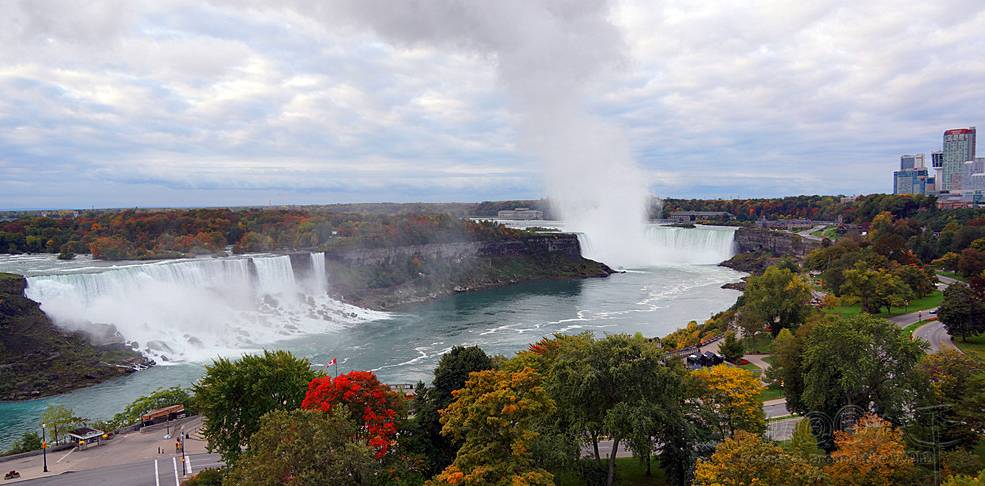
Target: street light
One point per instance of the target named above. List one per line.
(44, 447)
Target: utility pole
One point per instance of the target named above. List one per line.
(44, 447)
(181, 436)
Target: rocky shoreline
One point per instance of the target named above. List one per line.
(38, 358)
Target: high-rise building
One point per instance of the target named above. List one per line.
(959, 147)
(911, 161)
(910, 181)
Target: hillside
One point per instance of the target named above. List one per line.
(38, 358)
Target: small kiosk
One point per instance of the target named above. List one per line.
(85, 436)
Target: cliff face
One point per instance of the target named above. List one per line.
(779, 243)
(387, 277)
(758, 248)
(38, 358)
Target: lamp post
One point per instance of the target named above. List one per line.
(181, 436)
(44, 447)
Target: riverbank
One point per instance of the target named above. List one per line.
(40, 359)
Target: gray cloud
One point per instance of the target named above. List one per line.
(716, 98)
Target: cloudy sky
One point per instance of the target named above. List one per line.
(185, 103)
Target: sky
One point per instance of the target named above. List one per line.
(124, 103)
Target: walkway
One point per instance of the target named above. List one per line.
(139, 447)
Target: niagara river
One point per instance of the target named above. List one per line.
(184, 313)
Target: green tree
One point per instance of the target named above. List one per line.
(962, 312)
(603, 386)
(803, 444)
(494, 417)
(786, 370)
(921, 281)
(875, 288)
(962, 480)
(778, 298)
(29, 441)
(731, 347)
(233, 395)
(861, 361)
(160, 398)
(58, 418)
(305, 447)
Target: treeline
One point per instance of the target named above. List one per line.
(822, 208)
(142, 234)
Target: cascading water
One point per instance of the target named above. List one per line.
(669, 245)
(320, 274)
(195, 310)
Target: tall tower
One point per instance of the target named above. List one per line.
(959, 147)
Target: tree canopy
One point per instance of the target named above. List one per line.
(234, 395)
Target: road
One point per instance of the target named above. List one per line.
(143, 473)
(807, 233)
(936, 335)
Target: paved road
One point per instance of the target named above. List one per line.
(936, 335)
(134, 474)
(807, 233)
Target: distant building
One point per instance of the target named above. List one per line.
(910, 181)
(911, 161)
(520, 214)
(694, 216)
(959, 147)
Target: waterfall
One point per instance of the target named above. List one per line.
(193, 310)
(669, 245)
(319, 272)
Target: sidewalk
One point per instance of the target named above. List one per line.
(121, 449)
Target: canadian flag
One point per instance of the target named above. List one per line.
(330, 363)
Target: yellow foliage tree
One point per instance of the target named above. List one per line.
(493, 415)
(731, 395)
(872, 454)
(748, 460)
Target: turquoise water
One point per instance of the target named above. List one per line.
(406, 346)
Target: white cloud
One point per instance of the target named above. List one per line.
(717, 97)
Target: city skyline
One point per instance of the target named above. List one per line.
(122, 104)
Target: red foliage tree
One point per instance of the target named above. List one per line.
(362, 393)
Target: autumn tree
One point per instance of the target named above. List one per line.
(872, 453)
(962, 312)
(748, 459)
(731, 395)
(233, 395)
(451, 374)
(306, 447)
(778, 299)
(378, 407)
(494, 417)
(875, 288)
(921, 281)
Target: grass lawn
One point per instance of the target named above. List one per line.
(908, 330)
(924, 303)
(975, 346)
(830, 233)
(761, 343)
(771, 393)
(629, 470)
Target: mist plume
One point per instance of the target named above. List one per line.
(546, 55)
